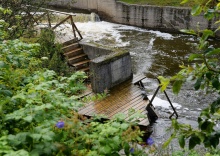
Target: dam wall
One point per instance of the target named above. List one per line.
(169, 19)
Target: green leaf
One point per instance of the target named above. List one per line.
(206, 33)
(215, 83)
(18, 153)
(192, 32)
(164, 82)
(3, 65)
(195, 57)
(207, 126)
(124, 126)
(6, 93)
(196, 10)
(214, 140)
(209, 15)
(177, 86)
(116, 124)
(208, 50)
(205, 112)
(166, 143)
(36, 152)
(127, 149)
(209, 75)
(184, 1)
(175, 124)
(193, 141)
(198, 83)
(182, 141)
(35, 137)
(28, 118)
(213, 52)
(105, 150)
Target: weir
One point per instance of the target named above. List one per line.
(170, 19)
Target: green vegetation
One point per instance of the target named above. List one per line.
(158, 2)
(204, 72)
(38, 107)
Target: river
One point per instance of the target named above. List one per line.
(153, 53)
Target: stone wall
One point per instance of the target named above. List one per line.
(109, 70)
(170, 19)
(108, 67)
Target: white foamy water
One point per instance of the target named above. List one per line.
(157, 102)
(97, 31)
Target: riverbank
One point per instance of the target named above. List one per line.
(159, 2)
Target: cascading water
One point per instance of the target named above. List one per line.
(93, 17)
(153, 53)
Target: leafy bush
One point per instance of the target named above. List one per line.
(204, 71)
(38, 109)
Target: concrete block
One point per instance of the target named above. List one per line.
(94, 51)
(109, 70)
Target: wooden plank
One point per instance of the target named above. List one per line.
(137, 106)
(138, 78)
(114, 108)
(127, 106)
(121, 98)
(110, 101)
(111, 97)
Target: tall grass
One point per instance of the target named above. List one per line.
(159, 2)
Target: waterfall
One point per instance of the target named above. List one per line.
(93, 17)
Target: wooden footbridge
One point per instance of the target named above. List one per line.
(121, 98)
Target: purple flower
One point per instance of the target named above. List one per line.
(150, 141)
(60, 124)
(132, 150)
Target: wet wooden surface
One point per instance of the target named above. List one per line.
(120, 99)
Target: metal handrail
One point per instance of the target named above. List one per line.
(174, 110)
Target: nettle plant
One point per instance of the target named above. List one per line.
(38, 110)
(204, 71)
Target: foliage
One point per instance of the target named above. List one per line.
(159, 2)
(204, 72)
(95, 138)
(38, 109)
(21, 16)
(51, 52)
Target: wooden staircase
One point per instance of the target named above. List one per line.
(75, 56)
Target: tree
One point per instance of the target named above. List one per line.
(22, 15)
(204, 72)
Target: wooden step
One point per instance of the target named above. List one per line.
(74, 52)
(80, 63)
(70, 47)
(70, 42)
(86, 69)
(77, 58)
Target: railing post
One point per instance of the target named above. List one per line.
(74, 26)
(75, 29)
(72, 23)
(48, 18)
